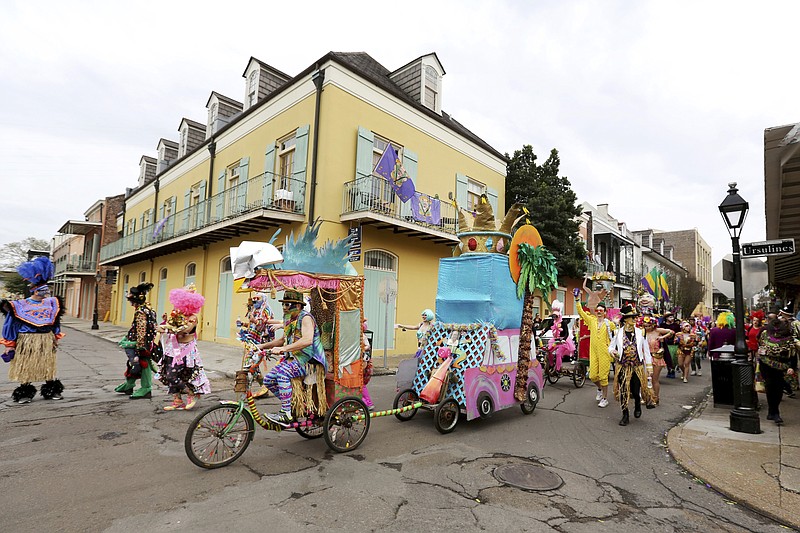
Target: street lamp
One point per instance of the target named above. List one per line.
(97, 278)
(744, 417)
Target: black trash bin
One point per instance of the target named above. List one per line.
(722, 375)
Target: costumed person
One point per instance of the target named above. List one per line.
(655, 337)
(723, 332)
(303, 347)
(139, 344)
(779, 352)
(422, 328)
(259, 327)
(182, 369)
(790, 379)
(701, 336)
(634, 365)
(671, 353)
(601, 331)
(31, 332)
(753, 333)
(686, 344)
(367, 351)
(560, 344)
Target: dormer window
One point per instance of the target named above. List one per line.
(213, 110)
(252, 88)
(431, 87)
(184, 139)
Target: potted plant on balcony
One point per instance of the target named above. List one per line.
(284, 199)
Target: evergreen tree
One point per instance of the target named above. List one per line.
(552, 206)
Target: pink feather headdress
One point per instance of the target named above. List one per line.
(186, 300)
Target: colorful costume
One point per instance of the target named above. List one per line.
(294, 365)
(30, 334)
(138, 345)
(182, 369)
(633, 366)
(601, 334)
(778, 354)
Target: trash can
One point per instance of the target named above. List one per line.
(722, 376)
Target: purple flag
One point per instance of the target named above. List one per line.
(426, 209)
(390, 167)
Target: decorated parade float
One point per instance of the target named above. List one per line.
(479, 357)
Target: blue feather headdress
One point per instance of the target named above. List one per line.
(301, 253)
(37, 272)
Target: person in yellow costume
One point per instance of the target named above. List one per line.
(601, 331)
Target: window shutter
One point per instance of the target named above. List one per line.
(172, 214)
(300, 153)
(492, 195)
(363, 185)
(202, 206)
(461, 190)
(241, 188)
(410, 160)
(219, 203)
(269, 176)
(187, 200)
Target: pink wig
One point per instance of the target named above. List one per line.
(186, 301)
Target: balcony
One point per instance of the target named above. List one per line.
(265, 201)
(76, 265)
(370, 200)
(628, 280)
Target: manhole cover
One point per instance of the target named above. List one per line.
(529, 477)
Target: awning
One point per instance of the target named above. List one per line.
(616, 236)
(79, 227)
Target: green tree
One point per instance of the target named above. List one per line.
(686, 293)
(14, 254)
(552, 205)
(15, 286)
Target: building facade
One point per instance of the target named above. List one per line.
(304, 148)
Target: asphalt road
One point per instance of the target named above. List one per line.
(97, 461)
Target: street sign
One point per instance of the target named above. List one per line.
(355, 244)
(775, 247)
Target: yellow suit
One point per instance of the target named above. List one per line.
(599, 340)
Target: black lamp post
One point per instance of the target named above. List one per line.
(97, 278)
(744, 417)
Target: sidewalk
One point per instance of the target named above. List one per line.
(761, 472)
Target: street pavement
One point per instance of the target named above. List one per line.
(760, 472)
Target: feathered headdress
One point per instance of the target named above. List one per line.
(726, 320)
(37, 272)
(186, 300)
(759, 314)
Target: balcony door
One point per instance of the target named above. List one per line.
(124, 306)
(224, 299)
(162, 294)
(381, 316)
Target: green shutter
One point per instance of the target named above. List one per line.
(492, 195)
(410, 163)
(300, 154)
(461, 190)
(202, 206)
(219, 198)
(363, 185)
(269, 175)
(241, 188)
(171, 221)
(187, 200)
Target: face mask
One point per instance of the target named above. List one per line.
(291, 314)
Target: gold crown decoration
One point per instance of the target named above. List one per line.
(483, 236)
(604, 276)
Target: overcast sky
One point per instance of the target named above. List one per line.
(653, 106)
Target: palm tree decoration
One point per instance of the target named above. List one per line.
(533, 268)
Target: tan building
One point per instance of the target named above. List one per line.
(692, 252)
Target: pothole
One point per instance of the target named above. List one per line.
(528, 477)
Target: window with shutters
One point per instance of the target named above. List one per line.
(380, 188)
(252, 88)
(194, 195)
(232, 187)
(474, 191)
(212, 116)
(183, 141)
(431, 87)
(166, 207)
(286, 153)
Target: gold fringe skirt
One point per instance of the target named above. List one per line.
(308, 392)
(622, 385)
(35, 358)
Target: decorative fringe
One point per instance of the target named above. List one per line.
(310, 398)
(35, 358)
(23, 391)
(51, 388)
(622, 385)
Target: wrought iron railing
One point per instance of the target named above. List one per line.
(624, 279)
(76, 264)
(373, 194)
(267, 191)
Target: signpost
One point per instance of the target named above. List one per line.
(354, 254)
(763, 248)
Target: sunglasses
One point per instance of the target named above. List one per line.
(287, 305)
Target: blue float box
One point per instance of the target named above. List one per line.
(477, 288)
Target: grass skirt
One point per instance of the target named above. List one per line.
(308, 392)
(35, 358)
(622, 385)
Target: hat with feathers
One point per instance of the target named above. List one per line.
(37, 272)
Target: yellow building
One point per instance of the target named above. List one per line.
(301, 148)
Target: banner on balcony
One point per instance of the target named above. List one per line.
(159, 226)
(426, 209)
(391, 168)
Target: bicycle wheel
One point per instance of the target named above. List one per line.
(579, 375)
(531, 399)
(218, 436)
(445, 417)
(405, 397)
(551, 373)
(346, 424)
(314, 431)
